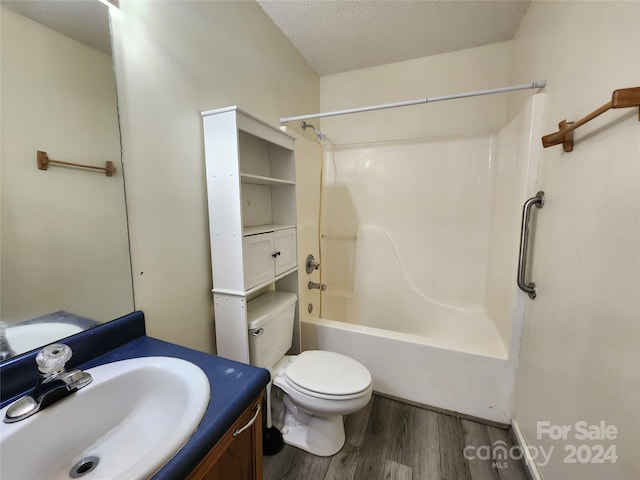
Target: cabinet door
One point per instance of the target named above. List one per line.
(258, 251)
(238, 454)
(285, 243)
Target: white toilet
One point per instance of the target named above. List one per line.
(316, 387)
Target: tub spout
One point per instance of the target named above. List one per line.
(316, 286)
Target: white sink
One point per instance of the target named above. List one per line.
(133, 417)
(24, 338)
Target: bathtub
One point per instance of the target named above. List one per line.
(420, 369)
(426, 300)
(445, 357)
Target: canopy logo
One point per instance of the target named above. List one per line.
(499, 453)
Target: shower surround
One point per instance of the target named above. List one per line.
(419, 254)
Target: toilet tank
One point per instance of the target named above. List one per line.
(270, 323)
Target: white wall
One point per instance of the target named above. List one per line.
(174, 60)
(580, 347)
(64, 231)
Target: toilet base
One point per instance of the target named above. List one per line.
(319, 435)
(323, 436)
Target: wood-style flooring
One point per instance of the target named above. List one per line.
(391, 440)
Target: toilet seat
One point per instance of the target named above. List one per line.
(328, 375)
(289, 387)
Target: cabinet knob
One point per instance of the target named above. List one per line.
(274, 255)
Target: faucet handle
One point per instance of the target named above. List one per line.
(311, 264)
(52, 358)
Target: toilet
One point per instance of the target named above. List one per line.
(315, 388)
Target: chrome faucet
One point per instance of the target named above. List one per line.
(53, 384)
(316, 286)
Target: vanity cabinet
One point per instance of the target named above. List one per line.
(238, 454)
(251, 194)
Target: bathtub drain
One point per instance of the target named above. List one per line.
(84, 466)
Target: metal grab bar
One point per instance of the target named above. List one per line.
(538, 201)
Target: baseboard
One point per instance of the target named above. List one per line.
(532, 468)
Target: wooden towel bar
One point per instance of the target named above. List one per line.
(44, 161)
(621, 98)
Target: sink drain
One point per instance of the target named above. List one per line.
(84, 466)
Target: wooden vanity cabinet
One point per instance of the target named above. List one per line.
(239, 456)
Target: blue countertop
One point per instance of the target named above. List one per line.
(234, 385)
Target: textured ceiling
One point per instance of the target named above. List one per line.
(341, 35)
(85, 21)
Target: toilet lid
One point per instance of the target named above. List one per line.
(329, 373)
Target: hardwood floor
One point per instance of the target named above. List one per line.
(390, 440)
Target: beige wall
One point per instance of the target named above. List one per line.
(64, 230)
(580, 348)
(174, 60)
(457, 72)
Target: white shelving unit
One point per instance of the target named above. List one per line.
(252, 218)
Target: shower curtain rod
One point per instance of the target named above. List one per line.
(538, 84)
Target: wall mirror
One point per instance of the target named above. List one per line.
(64, 247)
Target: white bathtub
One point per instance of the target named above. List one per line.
(419, 369)
(424, 295)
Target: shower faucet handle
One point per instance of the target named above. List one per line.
(311, 264)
